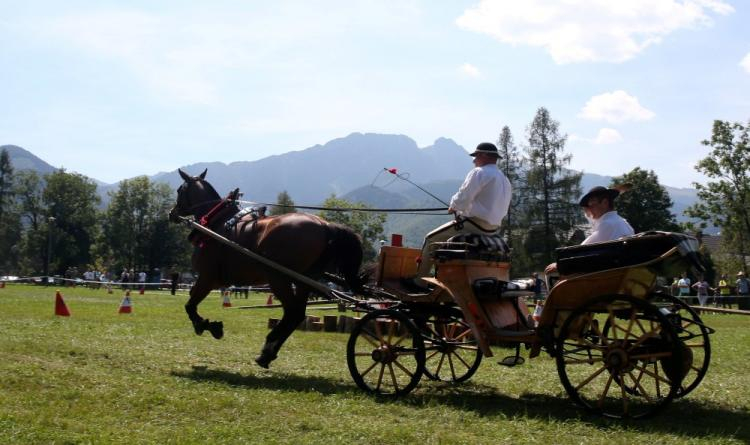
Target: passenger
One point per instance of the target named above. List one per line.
(599, 207)
(481, 202)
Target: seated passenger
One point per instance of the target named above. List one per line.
(599, 207)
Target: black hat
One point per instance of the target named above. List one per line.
(599, 192)
(486, 148)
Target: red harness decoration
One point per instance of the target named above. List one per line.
(207, 219)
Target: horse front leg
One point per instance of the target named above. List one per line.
(198, 293)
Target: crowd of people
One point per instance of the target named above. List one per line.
(723, 293)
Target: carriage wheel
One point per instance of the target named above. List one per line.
(694, 336)
(386, 353)
(629, 370)
(452, 352)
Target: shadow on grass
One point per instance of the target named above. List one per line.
(684, 417)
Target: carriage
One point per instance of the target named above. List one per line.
(622, 348)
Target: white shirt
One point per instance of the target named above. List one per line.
(485, 194)
(609, 227)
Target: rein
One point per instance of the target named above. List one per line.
(356, 209)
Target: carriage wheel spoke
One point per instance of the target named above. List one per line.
(652, 355)
(369, 369)
(453, 369)
(440, 365)
(393, 377)
(624, 397)
(403, 368)
(600, 403)
(434, 353)
(578, 361)
(611, 319)
(654, 374)
(590, 378)
(638, 385)
(461, 359)
(379, 333)
(380, 376)
(467, 347)
(370, 337)
(390, 330)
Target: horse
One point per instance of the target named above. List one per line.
(301, 242)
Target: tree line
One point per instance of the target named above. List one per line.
(53, 222)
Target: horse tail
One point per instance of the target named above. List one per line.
(345, 249)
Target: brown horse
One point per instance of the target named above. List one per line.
(301, 242)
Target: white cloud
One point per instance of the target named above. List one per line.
(615, 107)
(470, 70)
(607, 136)
(745, 63)
(588, 30)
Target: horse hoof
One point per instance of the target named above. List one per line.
(264, 359)
(199, 328)
(217, 329)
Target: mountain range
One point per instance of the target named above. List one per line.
(352, 167)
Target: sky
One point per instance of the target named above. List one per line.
(115, 89)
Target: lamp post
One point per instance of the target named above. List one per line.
(50, 226)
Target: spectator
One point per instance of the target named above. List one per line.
(701, 288)
(724, 291)
(684, 286)
(743, 290)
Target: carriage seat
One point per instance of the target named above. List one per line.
(626, 251)
(492, 289)
(473, 247)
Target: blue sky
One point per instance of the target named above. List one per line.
(117, 89)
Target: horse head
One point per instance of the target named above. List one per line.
(194, 197)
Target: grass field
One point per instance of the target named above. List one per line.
(103, 377)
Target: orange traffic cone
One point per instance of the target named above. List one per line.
(126, 306)
(127, 293)
(141, 290)
(2, 284)
(109, 289)
(227, 302)
(60, 308)
(270, 300)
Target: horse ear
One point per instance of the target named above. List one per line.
(184, 175)
(203, 175)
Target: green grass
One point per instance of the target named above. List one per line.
(103, 377)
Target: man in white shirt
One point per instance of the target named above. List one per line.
(599, 207)
(481, 203)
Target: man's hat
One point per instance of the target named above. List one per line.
(486, 148)
(599, 192)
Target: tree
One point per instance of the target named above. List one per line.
(369, 225)
(29, 190)
(646, 206)
(72, 201)
(725, 199)
(510, 163)
(137, 231)
(551, 208)
(10, 224)
(284, 204)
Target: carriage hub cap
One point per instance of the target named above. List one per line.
(383, 354)
(616, 359)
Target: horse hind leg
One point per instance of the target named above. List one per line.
(294, 312)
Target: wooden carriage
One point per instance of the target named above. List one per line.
(604, 322)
